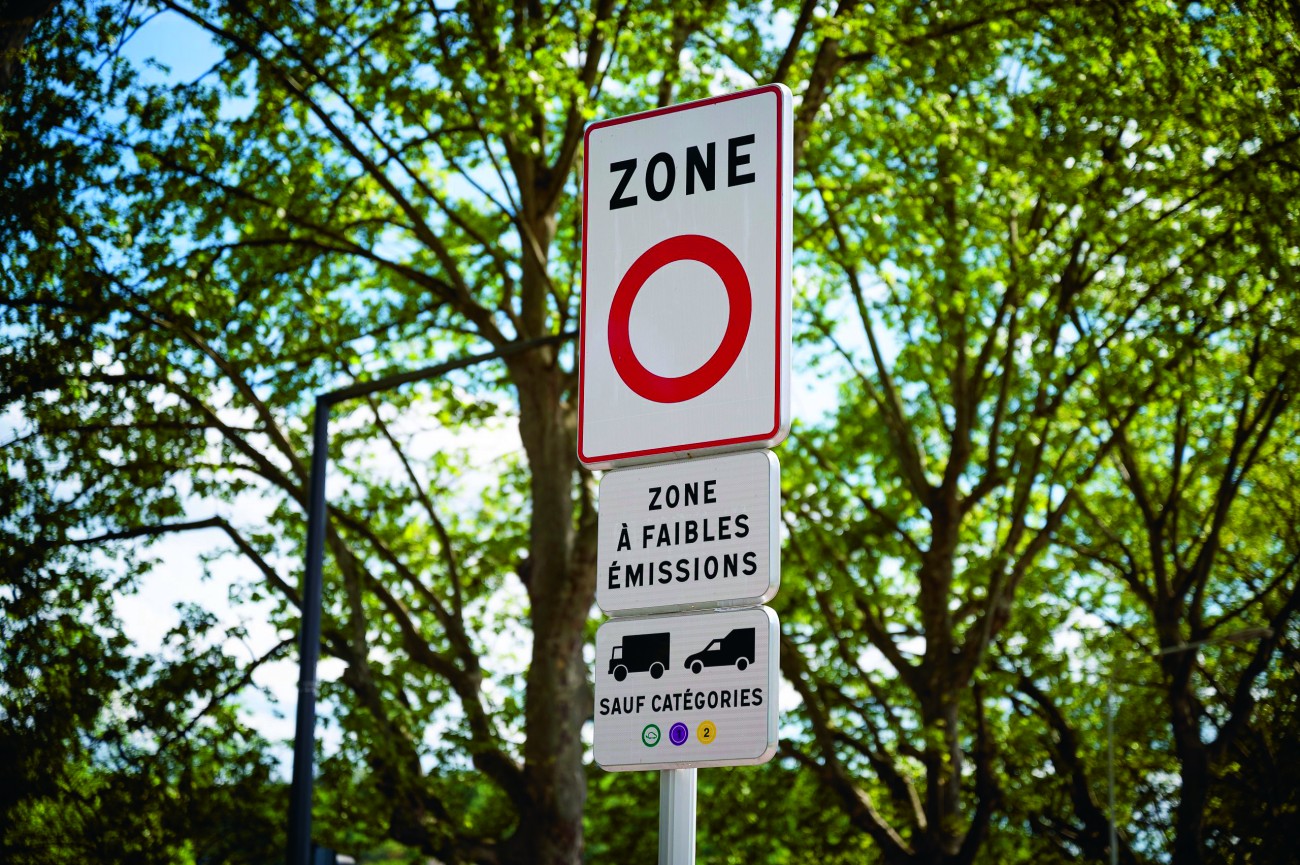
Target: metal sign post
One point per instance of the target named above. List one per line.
(677, 817)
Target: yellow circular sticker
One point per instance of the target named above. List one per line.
(706, 732)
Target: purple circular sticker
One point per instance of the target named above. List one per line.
(677, 733)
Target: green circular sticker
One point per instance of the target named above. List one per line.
(650, 735)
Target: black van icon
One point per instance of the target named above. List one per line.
(639, 653)
(735, 648)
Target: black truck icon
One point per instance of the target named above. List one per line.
(639, 653)
(735, 648)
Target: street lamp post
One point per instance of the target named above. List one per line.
(304, 736)
(1110, 763)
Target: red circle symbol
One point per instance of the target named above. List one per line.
(683, 247)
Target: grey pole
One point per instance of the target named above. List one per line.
(304, 734)
(677, 816)
(1110, 763)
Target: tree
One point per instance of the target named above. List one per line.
(74, 703)
(1040, 221)
(17, 17)
(1254, 794)
(311, 232)
(1022, 229)
(1196, 521)
(344, 193)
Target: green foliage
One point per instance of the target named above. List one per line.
(107, 756)
(1046, 266)
(1048, 254)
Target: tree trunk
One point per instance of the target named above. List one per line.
(561, 583)
(940, 702)
(1194, 773)
(561, 587)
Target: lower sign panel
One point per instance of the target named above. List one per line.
(698, 689)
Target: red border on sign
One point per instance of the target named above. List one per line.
(582, 338)
(681, 247)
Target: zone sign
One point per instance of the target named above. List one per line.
(685, 338)
(689, 534)
(694, 689)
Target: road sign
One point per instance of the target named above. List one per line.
(696, 689)
(690, 534)
(685, 345)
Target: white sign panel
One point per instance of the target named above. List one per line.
(690, 534)
(697, 689)
(685, 338)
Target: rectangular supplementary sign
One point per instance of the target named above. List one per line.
(689, 534)
(685, 320)
(695, 689)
